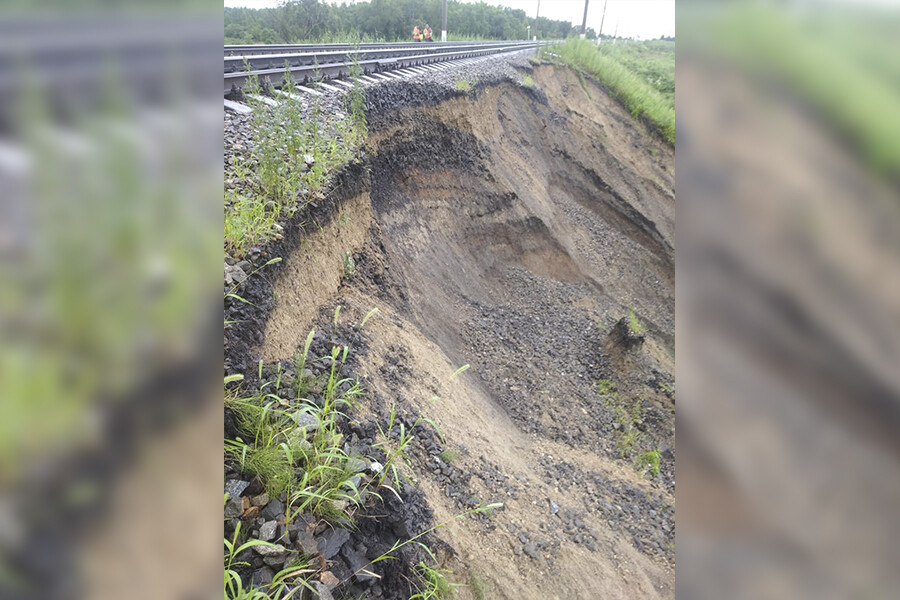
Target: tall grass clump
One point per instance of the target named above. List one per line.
(641, 98)
(295, 446)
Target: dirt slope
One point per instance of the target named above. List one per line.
(510, 230)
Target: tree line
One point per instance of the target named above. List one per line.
(297, 21)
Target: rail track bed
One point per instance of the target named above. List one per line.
(309, 63)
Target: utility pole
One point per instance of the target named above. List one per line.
(600, 33)
(536, 16)
(584, 20)
(444, 22)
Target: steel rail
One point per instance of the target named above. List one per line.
(262, 49)
(277, 60)
(342, 63)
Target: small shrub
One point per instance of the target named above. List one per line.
(527, 80)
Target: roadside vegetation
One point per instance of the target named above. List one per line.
(641, 75)
(294, 152)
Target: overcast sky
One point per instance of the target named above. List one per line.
(644, 19)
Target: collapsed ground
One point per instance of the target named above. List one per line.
(525, 230)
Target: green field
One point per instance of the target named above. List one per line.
(641, 75)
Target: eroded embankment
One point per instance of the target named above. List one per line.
(511, 230)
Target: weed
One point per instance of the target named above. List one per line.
(449, 456)
(626, 441)
(605, 387)
(583, 84)
(627, 434)
(434, 584)
(634, 325)
(464, 85)
(231, 292)
(648, 461)
(480, 585)
(396, 438)
(297, 449)
(349, 264)
(390, 554)
(248, 222)
(234, 587)
(528, 80)
(295, 152)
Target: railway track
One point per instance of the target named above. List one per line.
(258, 49)
(318, 62)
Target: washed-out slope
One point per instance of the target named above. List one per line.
(509, 229)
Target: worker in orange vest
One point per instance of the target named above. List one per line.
(428, 37)
(417, 36)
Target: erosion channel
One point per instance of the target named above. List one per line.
(527, 231)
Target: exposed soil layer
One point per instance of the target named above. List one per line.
(511, 229)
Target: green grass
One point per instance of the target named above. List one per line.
(292, 159)
(528, 80)
(640, 74)
(626, 416)
(248, 222)
(296, 573)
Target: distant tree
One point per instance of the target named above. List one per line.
(295, 21)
